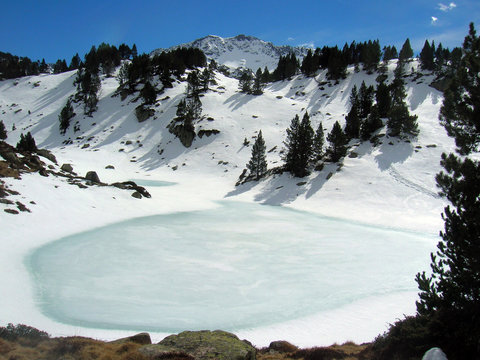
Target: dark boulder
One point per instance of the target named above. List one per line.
(92, 176)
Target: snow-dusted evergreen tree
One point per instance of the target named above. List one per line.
(258, 162)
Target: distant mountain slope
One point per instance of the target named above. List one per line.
(241, 51)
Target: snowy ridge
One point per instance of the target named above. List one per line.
(389, 186)
(241, 51)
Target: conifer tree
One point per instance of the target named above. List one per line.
(305, 142)
(75, 63)
(352, 120)
(193, 83)
(205, 79)
(406, 52)
(257, 83)
(258, 162)
(266, 76)
(134, 51)
(318, 143)
(3, 131)
(448, 311)
(337, 143)
(353, 123)
(371, 124)
(427, 56)
(245, 83)
(181, 109)
(400, 123)
(365, 96)
(291, 145)
(26, 143)
(43, 66)
(384, 101)
(148, 93)
(66, 114)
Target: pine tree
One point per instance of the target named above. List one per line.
(75, 63)
(365, 96)
(148, 93)
(257, 83)
(43, 66)
(406, 52)
(206, 78)
(352, 120)
(291, 145)
(181, 109)
(353, 123)
(384, 101)
(318, 143)
(245, 83)
(3, 131)
(26, 143)
(134, 51)
(305, 142)
(338, 143)
(66, 114)
(266, 76)
(193, 83)
(258, 162)
(371, 124)
(400, 123)
(450, 296)
(427, 56)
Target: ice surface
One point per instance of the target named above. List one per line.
(239, 266)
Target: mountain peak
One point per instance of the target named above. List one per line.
(241, 51)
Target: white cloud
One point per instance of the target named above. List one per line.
(434, 20)
(448, 7)
(310, 45)
(290, 38)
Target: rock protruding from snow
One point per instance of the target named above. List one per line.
(241, 51)
(434, 354)
(92, 176)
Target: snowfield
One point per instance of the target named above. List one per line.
(391, 185)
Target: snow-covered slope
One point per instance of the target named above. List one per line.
(242, 51)
(390, 185)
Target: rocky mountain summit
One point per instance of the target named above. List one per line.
(241, 51)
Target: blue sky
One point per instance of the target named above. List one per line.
(53, 29)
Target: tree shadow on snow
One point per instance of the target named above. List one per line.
(393, 154)
(281, 190)
(237, 100)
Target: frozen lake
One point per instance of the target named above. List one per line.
(238, 266)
